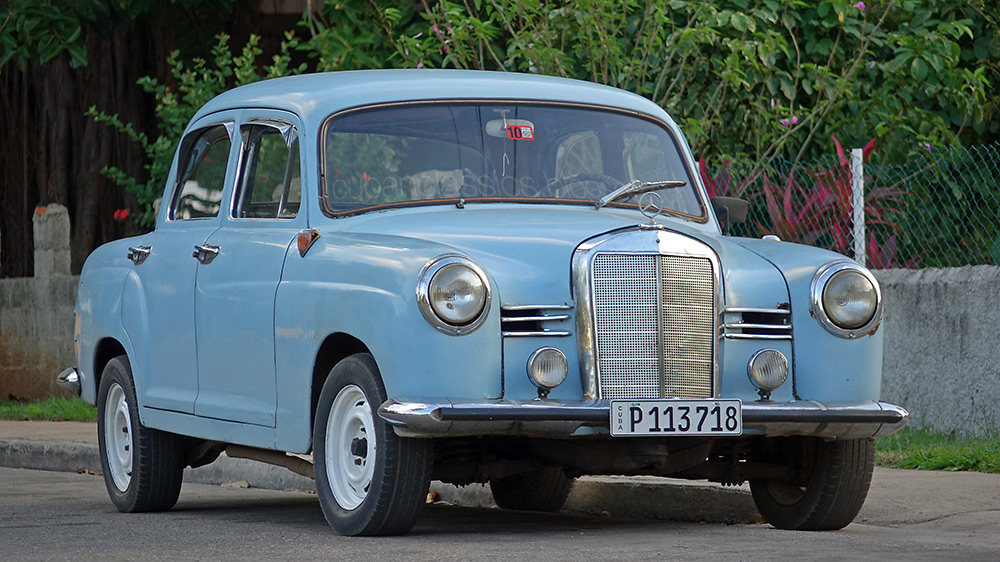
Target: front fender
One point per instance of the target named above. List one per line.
(828, 367)
(364, 285)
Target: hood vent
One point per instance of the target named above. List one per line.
(758, 324)
(522, 321)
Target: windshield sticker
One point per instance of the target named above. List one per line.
(520, 132)
(512, 129)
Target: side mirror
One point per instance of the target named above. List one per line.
(730, 211)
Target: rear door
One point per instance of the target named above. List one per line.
(164, 325)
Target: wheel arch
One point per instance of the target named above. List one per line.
(105, 350)
(334, 348)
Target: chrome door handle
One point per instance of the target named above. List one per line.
(205, 253)
(138, 254)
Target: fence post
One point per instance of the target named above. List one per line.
(858, 204)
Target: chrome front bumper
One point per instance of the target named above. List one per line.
(549, 418)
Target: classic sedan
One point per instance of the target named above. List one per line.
(471, 277)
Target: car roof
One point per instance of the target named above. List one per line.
(315, 96)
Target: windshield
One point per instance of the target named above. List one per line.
(490, 152)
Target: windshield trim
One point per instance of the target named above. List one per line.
(330, 211)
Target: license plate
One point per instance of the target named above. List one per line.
(631, 418)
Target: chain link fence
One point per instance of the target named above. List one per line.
(940, 208)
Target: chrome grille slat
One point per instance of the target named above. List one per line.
(655, 325)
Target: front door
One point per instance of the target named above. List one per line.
(234, 301)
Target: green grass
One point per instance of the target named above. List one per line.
(50, 409)
(916, 449)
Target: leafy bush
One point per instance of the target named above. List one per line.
(174, 109)
(747, 79)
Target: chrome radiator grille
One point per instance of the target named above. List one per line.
(654, 318)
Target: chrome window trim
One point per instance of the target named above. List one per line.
(659, 242)
(823, 276)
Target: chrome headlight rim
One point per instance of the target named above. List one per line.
(424, 281)
(818, 309)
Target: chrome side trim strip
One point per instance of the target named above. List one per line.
(758, 336)
(542, 333)
(516, 307)
(760, 310)
(558, 318)
(775, 327)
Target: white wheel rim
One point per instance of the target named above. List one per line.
(118, 437)
(350, 447)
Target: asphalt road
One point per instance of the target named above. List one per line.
(67, 516)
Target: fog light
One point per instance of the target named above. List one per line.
(547, 369)
(768, 370)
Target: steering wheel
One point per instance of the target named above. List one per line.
(607, 183)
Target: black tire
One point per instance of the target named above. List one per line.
(143, 467)
(545, 490)
(369, 481)
(829, 492)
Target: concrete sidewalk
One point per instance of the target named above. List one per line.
(897, 496)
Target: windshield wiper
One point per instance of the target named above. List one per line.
(636, 187)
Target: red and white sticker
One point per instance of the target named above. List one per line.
(520, 132)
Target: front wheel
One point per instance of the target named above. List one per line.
(142, 467)
(828, 489)
(369, 481)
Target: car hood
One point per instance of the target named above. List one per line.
(528, 249)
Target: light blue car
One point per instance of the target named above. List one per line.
(471, 277)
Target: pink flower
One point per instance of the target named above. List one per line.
(871, 64)
(420, 64)
(365, 176)
(860, 5)
(786, 123)
(450, 31)
(927, 145)
(434, 28)
(773, 103)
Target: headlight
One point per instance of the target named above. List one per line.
(846, 299)
(453, 293)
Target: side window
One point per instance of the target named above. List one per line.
(202, 175)
(270, 186)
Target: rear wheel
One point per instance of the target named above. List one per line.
(545, 490)
(828, 490)
(369, 481)
(142, 467)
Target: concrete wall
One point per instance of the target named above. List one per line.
(36, 314)
(942, 353)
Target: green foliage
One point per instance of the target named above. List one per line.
(31, 30)
(195, 85)
(49, 409)
(916, 449)
(747, 79)
(355, 34)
